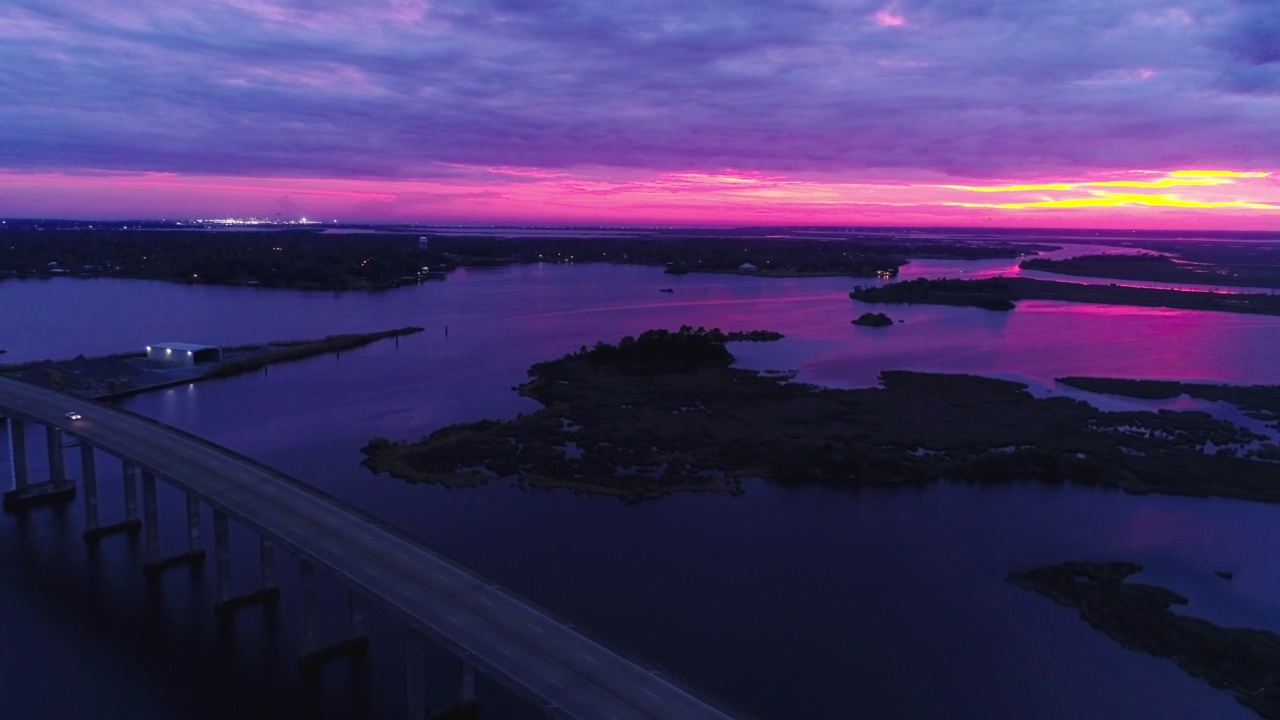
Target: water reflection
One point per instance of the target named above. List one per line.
(792, 602)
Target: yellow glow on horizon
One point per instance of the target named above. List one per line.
(1217, 173)
(1123, 199)
(1176, 178)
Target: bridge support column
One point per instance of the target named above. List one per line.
(89, 472)
(18, 453)
(416, 677)
(267, 595)
(194, 555)
(467, 689)
(130, 523)
(466, 707)
(193, 523)
(355, 616)
(57, 490)
(355, 644)
(267, 559)
(130, 491)
(57, 461)
(150, 521)
(308, 608)
(222, 554)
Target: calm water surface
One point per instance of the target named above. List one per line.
(786, 602)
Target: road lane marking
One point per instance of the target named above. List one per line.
(652, 694)
(593, 660)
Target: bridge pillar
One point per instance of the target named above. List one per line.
(416, 678)
(267, 595)
(355, 644)
(355, 616)
(267, 559)
(18, 453)
(222, 554)
(89, 471)
(308, 607)
(130, 524)
(467, 689)
(57, 461)
(57, 490)
(152, 563)
(130, 491)
(193, 522)
(150, 520)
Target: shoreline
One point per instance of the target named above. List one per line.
(1002, 294)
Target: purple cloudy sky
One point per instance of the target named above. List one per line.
(697, 110)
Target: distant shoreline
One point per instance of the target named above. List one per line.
(1002, 293)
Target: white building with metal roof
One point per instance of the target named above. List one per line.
(180, 353)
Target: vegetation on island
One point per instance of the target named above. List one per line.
(873, 320)
(987, 294)
(1002, 293)
(1253, 265)
(852, 256)
(1140, 617)
(666, 412)
(1261, 401)
(301, 259)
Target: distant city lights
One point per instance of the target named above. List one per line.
(252, 221)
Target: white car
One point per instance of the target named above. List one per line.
(73, 415)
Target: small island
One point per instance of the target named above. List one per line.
(873, 320)
(666, 412)
(1002, 293)
(1140, 617)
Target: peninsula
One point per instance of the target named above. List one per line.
(130, 373)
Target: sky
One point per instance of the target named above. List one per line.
(1034, 113)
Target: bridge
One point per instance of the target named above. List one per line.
(493, 631)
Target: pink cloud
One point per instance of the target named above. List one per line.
(886, 17)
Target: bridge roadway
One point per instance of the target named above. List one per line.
(501, 635)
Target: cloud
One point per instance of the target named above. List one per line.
(412, 89)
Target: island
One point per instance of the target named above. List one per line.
(1002, 293)
(873, 320)
(666, 412)
(1140, 617)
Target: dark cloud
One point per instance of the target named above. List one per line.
(409, 88)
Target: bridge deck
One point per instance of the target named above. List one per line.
(505, 637)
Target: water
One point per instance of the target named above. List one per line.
(788, 602)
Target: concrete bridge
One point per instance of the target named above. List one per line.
(490, 630)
